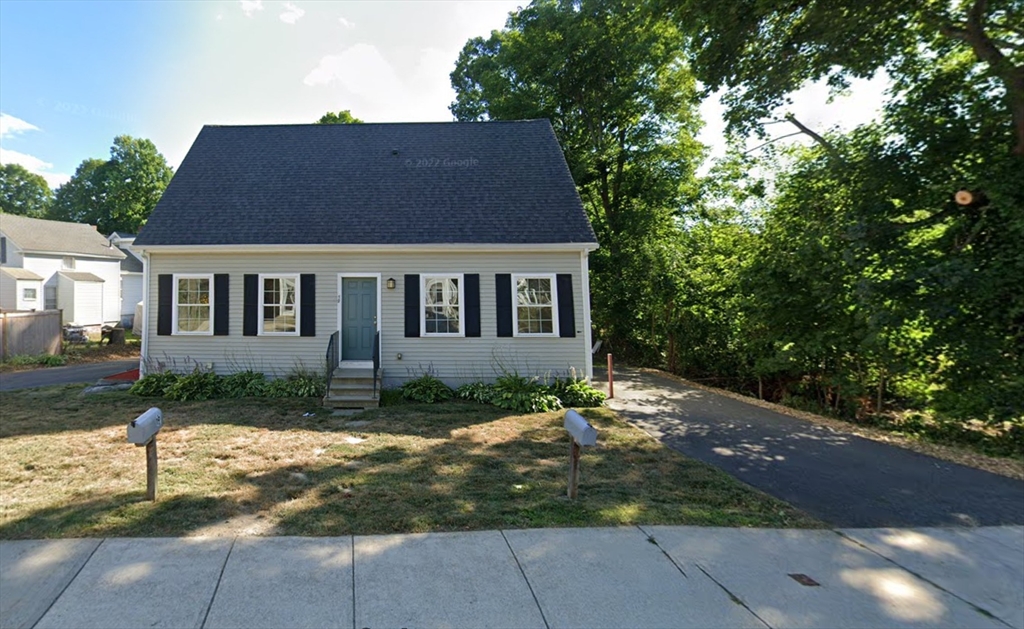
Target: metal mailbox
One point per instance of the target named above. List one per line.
(580, 429)
(143, 429)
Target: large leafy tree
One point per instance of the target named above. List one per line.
(761, 52)
(342, 117)
(117, 194)
(610, 78)
(23, 192)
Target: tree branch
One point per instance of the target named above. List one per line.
(832, 151)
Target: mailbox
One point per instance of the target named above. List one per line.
(143, 429)
(581, 430)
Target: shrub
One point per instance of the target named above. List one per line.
(427, 389)
(49, 360)
(196, 386)
(154, 384)
(278, 388)
(244, 384)
(391, 397)
(299, 384)
(476, 392)
(575, 393)
(523, 395)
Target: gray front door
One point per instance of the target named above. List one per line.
(358, 317)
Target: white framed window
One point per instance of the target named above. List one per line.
(441, 313)
(29, 294)
(535, 310)
(68, 262)
(193, 304)
(279, 305)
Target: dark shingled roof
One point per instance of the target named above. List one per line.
(407, 183)
(130, 264)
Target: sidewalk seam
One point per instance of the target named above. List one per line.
(352, 541)
(526, 579)
(979, 609)
(220, 577)
(653, 540)
(68, 584)
(735, 599)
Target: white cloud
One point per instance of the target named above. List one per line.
(10, 126)
(346, 23)
(291, 13)
(35, 165)
(249, 7)
(361, 70)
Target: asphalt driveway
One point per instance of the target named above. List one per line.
(842, 479)
(72, 374)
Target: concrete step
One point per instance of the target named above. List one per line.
(363, 382)
(351, 401)
(353, 372)
(353, 387)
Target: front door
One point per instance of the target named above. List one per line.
(358, 317)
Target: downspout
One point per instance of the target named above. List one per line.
(585, 284)
(145, 313)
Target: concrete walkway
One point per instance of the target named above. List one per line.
(657, 576)
(72, 374)
(840, 478)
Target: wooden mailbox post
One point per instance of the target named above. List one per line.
(142, 432)
(581, 433)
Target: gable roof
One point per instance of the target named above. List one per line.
(366, 184)
(36, 235)
(80, 276)
(131, 263)
(16, 273)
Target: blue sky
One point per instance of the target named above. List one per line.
(75, 74)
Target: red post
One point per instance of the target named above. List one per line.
(611, 379)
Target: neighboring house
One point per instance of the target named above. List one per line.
(463, 245)
(77, 270)
(131, 276)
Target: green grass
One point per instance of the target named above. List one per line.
(257, 466)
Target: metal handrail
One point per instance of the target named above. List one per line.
(376, 361)
(332, 358)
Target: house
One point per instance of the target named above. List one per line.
(53, 264)
(458, 249)
(131, 276)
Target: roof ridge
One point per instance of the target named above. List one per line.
(378, 124)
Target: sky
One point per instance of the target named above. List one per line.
(75, 74)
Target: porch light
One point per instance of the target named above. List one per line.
(391, 283)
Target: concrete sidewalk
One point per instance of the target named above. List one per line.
(651, 576)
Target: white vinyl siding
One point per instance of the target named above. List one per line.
(47, 266)
(81, 301)
(454, 359)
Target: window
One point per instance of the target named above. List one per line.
(535, 305)
(193, 299)
(29, 294)
(442, 305)
(279, 304)
(68, 262)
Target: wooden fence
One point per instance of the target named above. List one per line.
(30, 333)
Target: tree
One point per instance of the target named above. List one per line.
(761, 52)
(117, 194)
(342, 117)
(609, 77)
(23, 192)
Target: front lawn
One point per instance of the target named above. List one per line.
(264, 467)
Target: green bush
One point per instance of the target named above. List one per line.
(154, 384)
(475, 392)
(523, 395)
(196, 386)
(244, 384)
(296, 385)
(427, 389)
(392, 397)
(575, 393)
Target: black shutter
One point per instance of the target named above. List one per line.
(250, 304)
(220, 304)
(164, 304)
(3, 250)
(412, 306)
(472, 294)
(566, 311)
(503, 302)
(307, 309)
